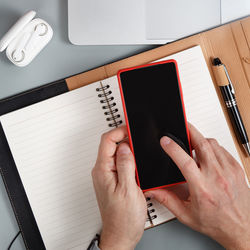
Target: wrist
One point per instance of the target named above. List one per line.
(104, 246)
(237, 243)
(113, 243)
(243, 245)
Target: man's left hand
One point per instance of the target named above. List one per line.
(121, 202)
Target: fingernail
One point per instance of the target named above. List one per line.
(123, 149)
(165, 140)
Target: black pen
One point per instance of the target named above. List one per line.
(227, 90)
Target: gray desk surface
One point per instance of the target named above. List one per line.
(60, 59)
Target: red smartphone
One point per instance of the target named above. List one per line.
(153, 107)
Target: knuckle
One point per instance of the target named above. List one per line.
(104, 136)
(236, 165)
(188, 164)
(125, 160)
(216, 170)
(222, 182)
(213, 142)
(94, 173)
(125, 166)
(164, 200)
(235, 168)
(235, 172)
(238, 171)
(204, 145)
(226, 186)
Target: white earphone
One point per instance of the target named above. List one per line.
(26, 39)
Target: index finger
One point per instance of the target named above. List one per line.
(184, 162)
(108, 144)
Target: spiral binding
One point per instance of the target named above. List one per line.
(109, 105)
(150, 210)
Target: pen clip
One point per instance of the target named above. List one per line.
(229, 80)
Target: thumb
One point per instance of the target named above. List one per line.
(171, 201)
(125, 165)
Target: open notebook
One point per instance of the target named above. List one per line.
(54, 144)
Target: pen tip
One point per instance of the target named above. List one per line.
(217, 61)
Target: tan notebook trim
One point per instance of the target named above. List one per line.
(230, 42)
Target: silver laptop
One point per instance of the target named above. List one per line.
(106, 22)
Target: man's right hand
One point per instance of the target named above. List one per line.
(219, 201)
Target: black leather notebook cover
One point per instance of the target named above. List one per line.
(19, 201)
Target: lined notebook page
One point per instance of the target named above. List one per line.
(54, 144)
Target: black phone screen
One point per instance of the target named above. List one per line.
(154, 108)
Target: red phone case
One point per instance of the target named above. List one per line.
(127, 122)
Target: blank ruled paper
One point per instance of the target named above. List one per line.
(55, 142)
